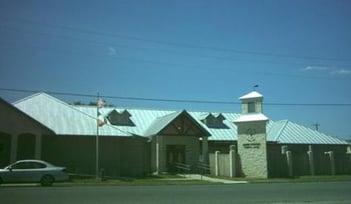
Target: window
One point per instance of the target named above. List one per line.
(251, 107)
(37, 165)
(28, 165)
(21, 165)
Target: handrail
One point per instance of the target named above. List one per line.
(203, 167)
(183, 166)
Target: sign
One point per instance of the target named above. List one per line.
(251, 145)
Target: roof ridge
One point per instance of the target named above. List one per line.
(160, 109)
(28, 97)
(168, 109)
(281, 129)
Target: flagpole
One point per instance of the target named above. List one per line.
(97, 138)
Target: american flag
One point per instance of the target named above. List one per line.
(101, 103)
(101, 120)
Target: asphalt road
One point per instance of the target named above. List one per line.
(324, 193)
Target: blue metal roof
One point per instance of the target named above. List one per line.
(288, 132)
(65, 119)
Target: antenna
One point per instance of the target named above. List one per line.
(316, 126)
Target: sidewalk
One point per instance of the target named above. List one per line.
(210, 179)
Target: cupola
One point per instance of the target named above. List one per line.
(252, 103)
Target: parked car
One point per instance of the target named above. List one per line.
(33, 171)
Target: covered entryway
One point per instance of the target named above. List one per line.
(175, 155)
(175, 139)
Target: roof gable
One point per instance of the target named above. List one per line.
(63, 118)
(177, 123)
(11, 116)
(253, 94)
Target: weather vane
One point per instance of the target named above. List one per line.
(255, 87)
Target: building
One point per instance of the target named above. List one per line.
(135, 142)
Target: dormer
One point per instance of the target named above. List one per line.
(252, 103)
(120, 118)
(214, 120)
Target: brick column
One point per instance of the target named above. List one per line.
(204, 153)
(232, 161)
(217, 163)
(38, 146)
(311, 160)
(332, 161)
(13, 154)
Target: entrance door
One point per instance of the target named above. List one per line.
(175, 154)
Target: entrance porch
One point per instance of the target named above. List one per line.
(177, 138)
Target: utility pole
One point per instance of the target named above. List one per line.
(97, 138)
(316, 126)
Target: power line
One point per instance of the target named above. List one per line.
(169, 43)
(167, 51)
(148, 61)
(171, 100)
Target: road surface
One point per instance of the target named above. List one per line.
(323, 193)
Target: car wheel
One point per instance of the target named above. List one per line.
(47, 180)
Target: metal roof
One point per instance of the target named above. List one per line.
(288, 132)
(161, 122)
(253, 94)
(228, 133)
(65, 119)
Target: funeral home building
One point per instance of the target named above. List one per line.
(137, 142)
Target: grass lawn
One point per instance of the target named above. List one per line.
(177, 180)
(300, 179)
(149, 180)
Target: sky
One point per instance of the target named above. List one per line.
(298, 52)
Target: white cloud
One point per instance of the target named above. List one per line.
(341, 72)
(315, 68)
(112, 51)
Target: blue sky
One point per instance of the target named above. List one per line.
(296, 51)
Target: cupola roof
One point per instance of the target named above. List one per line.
(253, 94)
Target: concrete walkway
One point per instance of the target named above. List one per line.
(210, 179)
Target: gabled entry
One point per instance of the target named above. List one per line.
(185, 125)
(177, 123)
(176, 139)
